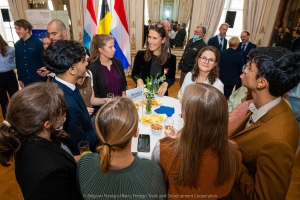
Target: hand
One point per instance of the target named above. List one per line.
(77, 158)
(21, 84)
(43, 71)
(90, 110)
(139, 82)
(162, 89)
(173, 135)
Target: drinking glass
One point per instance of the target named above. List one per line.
(110, 96)
(84, 147)
(169, 124)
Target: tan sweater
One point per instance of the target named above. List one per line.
(207, 177)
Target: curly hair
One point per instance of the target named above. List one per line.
(61, 55)
(214, 72)
(279, 66)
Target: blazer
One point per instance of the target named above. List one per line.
(179, 38)
(230, 66)
(78, 123)
(246, 52)
(268, 151)
(141, 68)
(46, 171)
(214, 41)
(100, 87)
(296, 44)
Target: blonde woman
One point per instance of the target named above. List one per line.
(114, 170)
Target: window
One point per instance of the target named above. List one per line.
(7, 28)
(233, 5)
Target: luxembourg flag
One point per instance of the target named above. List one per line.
(117, 24)
(90, 24)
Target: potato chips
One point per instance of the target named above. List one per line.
(149, 119)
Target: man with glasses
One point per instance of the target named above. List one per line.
(191, 50)
(245, 46)
(268, 136)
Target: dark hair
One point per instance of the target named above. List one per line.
(279, 66)
(27, 112)
(3, 46)
(175, 27)
(201, 131)
(246, 32)
(214, 72)
(61, 55)
(24, 24)
(116, 123)
(164, 55)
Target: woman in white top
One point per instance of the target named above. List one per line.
(205, 70)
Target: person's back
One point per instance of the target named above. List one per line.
(115, 172)
(201, 162)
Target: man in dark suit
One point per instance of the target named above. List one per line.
(219, 41)
(245, 46)
(68, 60)
(180, 36)
(296, 43)
(191, 50)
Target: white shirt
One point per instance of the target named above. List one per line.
(188, 80)
(69, 85)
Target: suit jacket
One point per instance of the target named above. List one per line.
(179, 38)
(230, 66)
(100, 87)
(296, 45)
(285, 41)
(78, 123)
(46, 171)
(141, 68)
(247, 50)
(268, 150)
(214, 41)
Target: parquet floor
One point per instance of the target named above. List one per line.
(294, 190)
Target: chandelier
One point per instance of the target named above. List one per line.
(36, 2)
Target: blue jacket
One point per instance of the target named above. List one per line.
(214, 41)
(78, 123)
(296, 45)
(230, 66)
(246, 52)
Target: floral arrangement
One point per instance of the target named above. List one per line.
(151, 88)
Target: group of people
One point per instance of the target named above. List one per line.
(288, 38)
(45, 121)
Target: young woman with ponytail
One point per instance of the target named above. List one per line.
(114, 170)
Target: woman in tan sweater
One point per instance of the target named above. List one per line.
(201, 162)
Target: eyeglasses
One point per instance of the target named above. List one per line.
(246, 67)
(204, 59)
(158, 25)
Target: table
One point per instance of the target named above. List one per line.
(145, 129)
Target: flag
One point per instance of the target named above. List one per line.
(90, 24)
(117, 24)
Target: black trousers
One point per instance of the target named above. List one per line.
(9, 84)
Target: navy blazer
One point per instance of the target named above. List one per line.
(246, 52)
(230, 66)
(78, 123)
(179, 38)
(100, 87)
(296, 44)
(141, 68)
(214, 41)
(46, 171)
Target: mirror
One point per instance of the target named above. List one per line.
(176, 11)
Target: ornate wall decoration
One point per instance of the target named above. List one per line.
(133, 42)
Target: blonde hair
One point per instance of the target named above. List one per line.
(115, 123)
(98, 41)
(234, 41)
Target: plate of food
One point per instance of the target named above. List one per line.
(155, 102)
(150, 119)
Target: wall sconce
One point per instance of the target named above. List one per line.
(36, 2)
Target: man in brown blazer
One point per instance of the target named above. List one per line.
(268, 136)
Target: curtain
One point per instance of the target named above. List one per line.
(212, 17)
(96, 7)
(154, 10)
(18, 9)
(251, 17)
(58, 4)
(185, 7)
(175, 10)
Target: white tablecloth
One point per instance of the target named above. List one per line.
(145, 129)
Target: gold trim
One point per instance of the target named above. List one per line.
(205, 13)
(133, 42)
(262, 19)
(262, 30)
(199, 23)
(133, 24)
